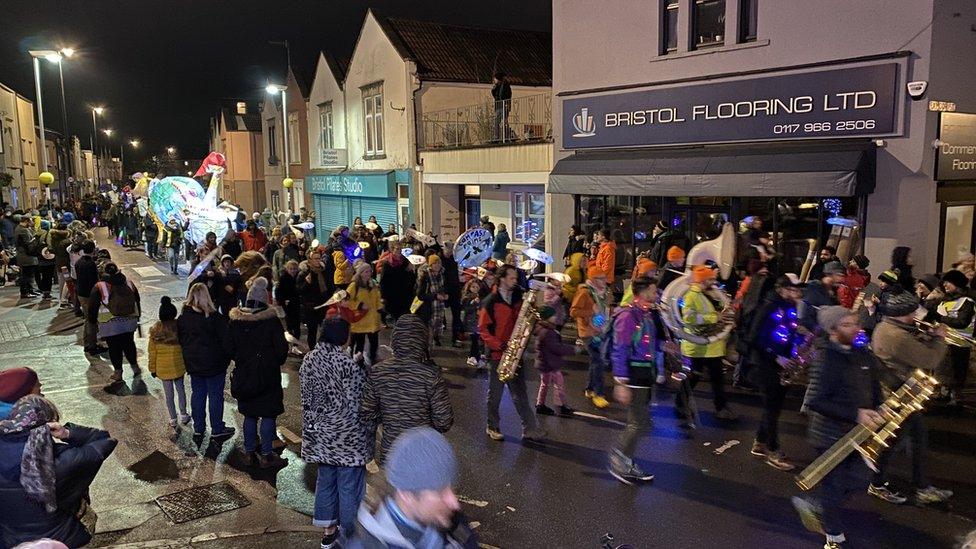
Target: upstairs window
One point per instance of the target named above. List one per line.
(326, 136)
(669, 24)
(241, 107)
(373, 118)
(709, 23)
(272, 145)
(294, 139)
(748, 19)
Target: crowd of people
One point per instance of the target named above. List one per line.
(252, 295)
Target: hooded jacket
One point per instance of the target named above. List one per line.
(575, 274)
(202, 342)
(256, 342)
(585, 307)
(606, 259)
(406, 391)
(165, 355)
(549, 348)
(380, 530)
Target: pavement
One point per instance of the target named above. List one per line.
(551, 494)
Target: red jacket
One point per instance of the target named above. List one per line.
(256, 242)
(496, 320)
(855, 281)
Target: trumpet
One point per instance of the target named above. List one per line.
(952, 335)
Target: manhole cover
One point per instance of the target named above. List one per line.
(12, 331)
(202, 501)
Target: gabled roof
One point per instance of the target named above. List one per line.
(234, 122)
(453, 53)
(338, 65)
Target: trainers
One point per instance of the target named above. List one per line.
(884, 493)
(223, 435)
(726, 414)
(810, 514)
(329, 541)
(494, 434)
(932, 494)
(566, 411)
(599, 401)
(625, 470)
(534, 435)
(543, 410)
(184, 419)
(759, 449)
(778, 460)
(271, 461)
(472, 361)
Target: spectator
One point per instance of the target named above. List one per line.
(26, 255)
(118, 319)
(576, 243)
(201, 332)
(606, 257)
(500, 247)
(827, 255)
(901, 259)
(856, 278)
(253, 238)
(334, 435)
(501, 92)
(166, 360)
(364, 294)
(86, 273)
(43, 485)
(287, 297)
(432, 294)
(14, 384)
(256, 342)
(172, 240)
(407, 390)
(313, 287)
(397, 281)
(232, 245)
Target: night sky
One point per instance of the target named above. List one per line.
(161, 67)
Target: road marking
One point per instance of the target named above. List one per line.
(602, 418)
(57, 391)
(12, 331)
(475, 502)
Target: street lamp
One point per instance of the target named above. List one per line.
(68, 167)
(278, 89)
(171, 150)
(134, 143)
(53, 57)
(94, 141)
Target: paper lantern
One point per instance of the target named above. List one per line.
(287, 182)
(46, 178)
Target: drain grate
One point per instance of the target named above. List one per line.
(12, 331)
(202, 501)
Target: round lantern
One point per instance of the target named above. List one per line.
(46, 178)
(287, 182)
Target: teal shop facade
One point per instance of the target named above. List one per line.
(339, 197)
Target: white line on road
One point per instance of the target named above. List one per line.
(602, 418)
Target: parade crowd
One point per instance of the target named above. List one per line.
(269, 289)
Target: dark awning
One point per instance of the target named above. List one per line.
(802, 169)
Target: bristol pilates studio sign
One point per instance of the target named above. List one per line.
(847, 102)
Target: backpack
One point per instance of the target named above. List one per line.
(122, 300)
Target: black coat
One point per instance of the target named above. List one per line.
(201, 338)
(75, 465)
(256, 342)
(816, 296)
(312, 293)
(286, 294)
(86, 275)
(576, 245)
(847, 380)
(397, 288)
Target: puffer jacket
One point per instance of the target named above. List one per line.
(901, 352)
(846, 382)
(699, 312)
(549, 348)
(606, 259)
(256, 342)
(406, 391)
(202, 342)
(165, 354)
(343, 269)
(575, 274)
(367, 299)
(854, 281)
(75, 465)
(333, 431)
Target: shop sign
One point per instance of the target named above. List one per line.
(332, 157)
(956, 155)
(942, 106)
(367, 185)
(848, 102)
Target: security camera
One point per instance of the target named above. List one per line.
(917, 89)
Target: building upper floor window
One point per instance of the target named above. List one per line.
(272, 146)
(669, 22)
(708, 18)
(241, 107)
(326, 135)
(373, 118)
(748, 19)
(294, 139)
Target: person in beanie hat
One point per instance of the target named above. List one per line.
(423, 511)
(876, 304)
(845, 394)
(166, 360)
(431, 291)
(364, 296)
(674, 268)
(14, 384)
(855, 279)
(928, 290)
(256, 342)
(821, 293)
(956, 311)
(591, 309)
(549, 353)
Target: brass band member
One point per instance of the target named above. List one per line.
(847, 393)
(702, 313)
(901, 349)
(956, 311)
(775, 333)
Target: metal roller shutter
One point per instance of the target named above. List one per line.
(331, 211)
(385, 210)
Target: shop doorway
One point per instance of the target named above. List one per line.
(958, 233)
(700, 222)
(472, 212)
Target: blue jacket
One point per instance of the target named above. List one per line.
(846, 380)
(5, 408)
(816, 296)
(500, 248)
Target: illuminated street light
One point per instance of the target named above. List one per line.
(275, 89)
(171, 150)
(108, 131)
(67, 52)
(99, 110)
(135, 143)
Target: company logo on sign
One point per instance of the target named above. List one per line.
(583, 123)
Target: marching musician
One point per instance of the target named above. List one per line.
(702, 313)
(901, 348)
(956, 311)
(774, 334)
(636, 330)
(821, 292)
(848, 393)
(496, 322)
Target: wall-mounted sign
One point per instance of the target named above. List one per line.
(848, 102)
(956, 156)
(379, 185)
(942, 106)
(332, 157)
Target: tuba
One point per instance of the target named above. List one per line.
(720, 250)
(528, 315)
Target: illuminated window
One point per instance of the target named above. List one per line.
(241, 107)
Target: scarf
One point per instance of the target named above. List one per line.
(30, 415)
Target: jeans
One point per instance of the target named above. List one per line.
(338, 493)
(638, 421)
(268, 434)
(359, 345)
(174, 259)
(169, 385)
(773, 394)
(119, 345)
(915, 436)
(715, 373)
(207, 391)
(555, 381)
(835, 488)
(312, 324)
(598, 364)
(520, 397)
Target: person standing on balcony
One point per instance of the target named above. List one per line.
(501, 92)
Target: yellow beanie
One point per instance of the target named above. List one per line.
(433, 259)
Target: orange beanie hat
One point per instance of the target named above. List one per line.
(644, 266)
(594, 271)
(701, 273)
(675, 253)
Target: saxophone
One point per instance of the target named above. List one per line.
(795, 368)
(908, 399)
(511, 360)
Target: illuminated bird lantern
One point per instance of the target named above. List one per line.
(185, 199)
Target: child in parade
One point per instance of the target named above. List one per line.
(549, 353)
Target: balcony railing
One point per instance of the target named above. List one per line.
(526, 119)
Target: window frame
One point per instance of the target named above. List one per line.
(272, 144)
(748, 9)
(326, 126)
(374, 143)
(695, 12)
(667, 8)
(294, 139)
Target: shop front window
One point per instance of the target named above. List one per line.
(592, 214)
(648, 211)
(620, 223)
(801, 219)
(528, 213)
